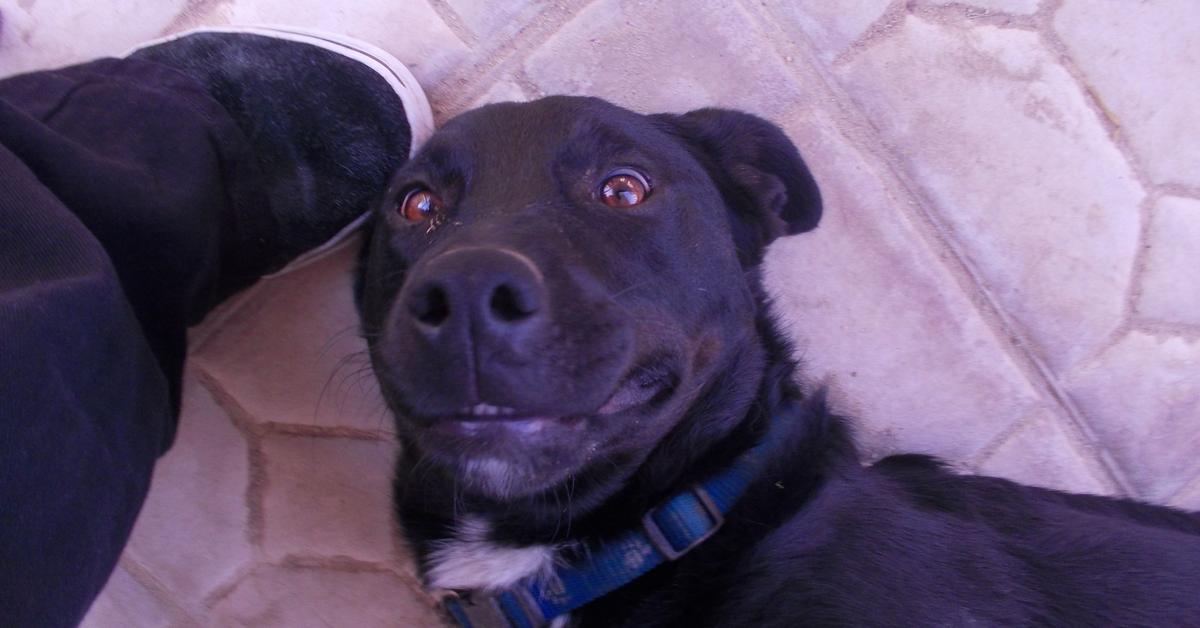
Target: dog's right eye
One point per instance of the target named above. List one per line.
(624, 187)
(419, 204)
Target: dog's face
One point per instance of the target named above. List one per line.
(552, 287)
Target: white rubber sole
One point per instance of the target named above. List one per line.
(397, 75)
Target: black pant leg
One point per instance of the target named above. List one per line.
(84, 408)
(128, 206)
(161, 176)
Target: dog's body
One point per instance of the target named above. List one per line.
(563, 308)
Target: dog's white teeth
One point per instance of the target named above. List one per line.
(484, 409)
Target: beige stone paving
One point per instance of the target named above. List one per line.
(1006, 274)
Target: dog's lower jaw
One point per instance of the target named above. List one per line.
(496, 477)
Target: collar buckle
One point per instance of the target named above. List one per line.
(682, 510)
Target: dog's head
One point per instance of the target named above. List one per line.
(553, 288)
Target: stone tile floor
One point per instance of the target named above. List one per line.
(1005, 275)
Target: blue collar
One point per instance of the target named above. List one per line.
(668, 531)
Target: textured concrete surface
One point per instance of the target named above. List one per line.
(1006, 274)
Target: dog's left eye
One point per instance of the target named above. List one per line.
(418, 205)
(624, 187)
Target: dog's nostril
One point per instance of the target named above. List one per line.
(431, 307)
(510, 305)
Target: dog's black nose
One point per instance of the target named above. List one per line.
(476, 290)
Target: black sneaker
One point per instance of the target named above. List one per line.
(328, 117)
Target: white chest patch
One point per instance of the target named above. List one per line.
(471, 561)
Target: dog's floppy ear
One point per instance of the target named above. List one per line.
(766, 185)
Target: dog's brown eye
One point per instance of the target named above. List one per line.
(624, 188)
(419, 204)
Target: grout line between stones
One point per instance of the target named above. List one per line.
(1132, 291)
(856, 127)
(454, 22)
(1141, 260)
(193, 14)
(981, 455)
(274, 428)
(352, 565)
(955, 13)
(881, 29)
(333, 563)
(1162, 329)
(1085, 451)
(227, 588)
(528, 87)
(257, 481)
(965, 14)
(143, 576)
(1180, 189)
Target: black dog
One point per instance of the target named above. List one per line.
(563, 309)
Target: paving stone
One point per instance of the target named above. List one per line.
(490, 21)
(984, 121)
(1169, 290)
(303, 597)
(328, 497)
(125, 602)
(1042, 454)
(831, 25)
(666, 56)
(191, 534)
(1141, 58)
(878, 318)
(292, 353)
(411, 31)
(33, 32)
(1142, 397)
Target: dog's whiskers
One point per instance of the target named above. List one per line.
(338, 335)
(630, 288)
(341, 364)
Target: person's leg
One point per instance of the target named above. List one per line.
(84, 408)
(135, 195)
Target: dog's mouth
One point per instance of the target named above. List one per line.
(645, 386)
(505, 452)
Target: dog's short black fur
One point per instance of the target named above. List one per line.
(624, 352)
